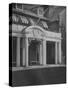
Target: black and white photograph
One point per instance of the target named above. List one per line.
(37, 44)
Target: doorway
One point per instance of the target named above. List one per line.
(50, 52)
(34, 52)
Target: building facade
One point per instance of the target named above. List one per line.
(34, 44)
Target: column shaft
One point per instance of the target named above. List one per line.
(56, 53)
(60, 52)
(44, 52)
(23, 52)
(40, 56)
(26, 51)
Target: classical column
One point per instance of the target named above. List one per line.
(56, 53)
(23, 52)
(40, 55)
(44, 52)
(60, 52)
(26, 50)
(18, 52)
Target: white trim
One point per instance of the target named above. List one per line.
(34, 26)
(53, 39)
(47, 34)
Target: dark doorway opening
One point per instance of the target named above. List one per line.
(34, 52)
(50, 52)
